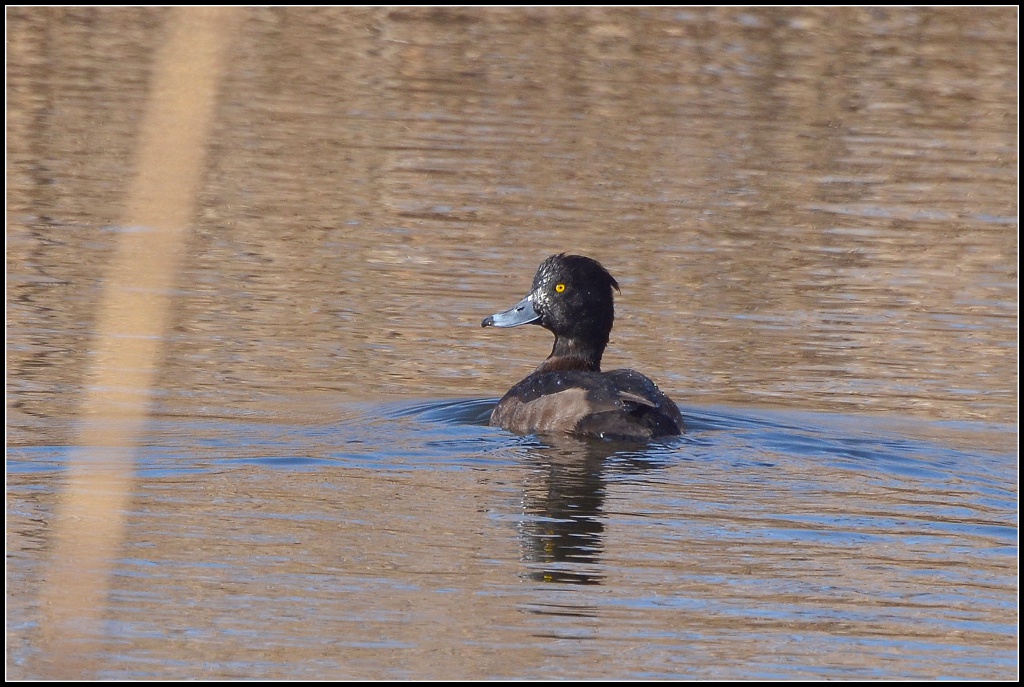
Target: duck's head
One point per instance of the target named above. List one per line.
(572, 298)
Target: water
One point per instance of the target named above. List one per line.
(409, 539)
(811, 212)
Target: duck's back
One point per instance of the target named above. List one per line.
(621, 404)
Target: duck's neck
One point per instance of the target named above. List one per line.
(572, 354)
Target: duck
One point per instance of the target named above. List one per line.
(572, 297)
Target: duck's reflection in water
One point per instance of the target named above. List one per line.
(563, 531)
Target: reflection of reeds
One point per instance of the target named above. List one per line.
(131, 326)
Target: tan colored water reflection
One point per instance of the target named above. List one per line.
(798, 215)
(88, 526)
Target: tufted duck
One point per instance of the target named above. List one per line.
(568, 393)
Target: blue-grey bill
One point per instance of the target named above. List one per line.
(520, 313)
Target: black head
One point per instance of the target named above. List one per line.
(572, 298)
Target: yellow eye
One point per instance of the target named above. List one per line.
(559, 288)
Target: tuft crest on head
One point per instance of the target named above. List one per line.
(562, 264)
